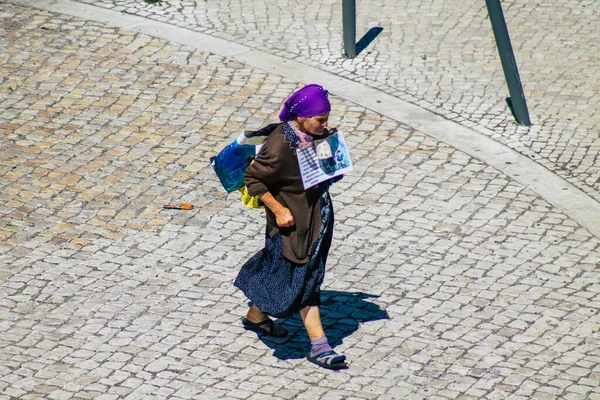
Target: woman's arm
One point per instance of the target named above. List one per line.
(283, 215)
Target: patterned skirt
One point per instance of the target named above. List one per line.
(279, 287)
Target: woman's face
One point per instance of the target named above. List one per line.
(314, 125)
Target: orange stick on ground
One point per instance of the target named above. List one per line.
(179, 206)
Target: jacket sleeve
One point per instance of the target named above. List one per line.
(267, 169)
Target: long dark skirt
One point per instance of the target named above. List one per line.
(279, 287)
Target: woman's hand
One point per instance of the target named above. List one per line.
(284, 218)
(283, 215)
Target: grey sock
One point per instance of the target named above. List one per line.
(319, 346)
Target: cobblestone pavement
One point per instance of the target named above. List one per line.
(442, 56)
(446, 278)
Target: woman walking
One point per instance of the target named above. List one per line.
(286, 276)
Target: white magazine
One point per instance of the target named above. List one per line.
(325, 159)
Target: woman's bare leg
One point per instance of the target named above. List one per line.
(312, 321)
(256, 315)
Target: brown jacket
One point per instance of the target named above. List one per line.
(275, 169)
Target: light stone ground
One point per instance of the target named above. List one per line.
(446, 278)
(440, 55)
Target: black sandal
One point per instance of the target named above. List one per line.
(266, 327)
(328, 359)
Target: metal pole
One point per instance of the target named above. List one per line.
(349, 27)
(509, 65)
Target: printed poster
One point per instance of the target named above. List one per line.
(325, 159)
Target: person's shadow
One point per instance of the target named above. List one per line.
(341, 315)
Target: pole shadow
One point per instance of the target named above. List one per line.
(367, 39)
(341, 315)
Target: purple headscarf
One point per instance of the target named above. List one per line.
(309, 101)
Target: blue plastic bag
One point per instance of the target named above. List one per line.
(231, 163)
